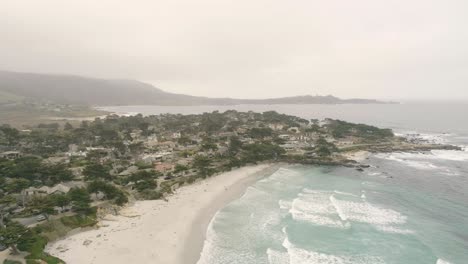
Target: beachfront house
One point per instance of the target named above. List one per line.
(11, 155)
(164, 167)
(61, 188)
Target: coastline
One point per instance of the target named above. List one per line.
(171, 232)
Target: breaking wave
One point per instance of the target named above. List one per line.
(298, 255)
(322, 208)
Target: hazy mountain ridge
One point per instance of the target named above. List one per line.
(92, 91)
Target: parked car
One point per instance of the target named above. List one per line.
(40, 218)
(3, 247)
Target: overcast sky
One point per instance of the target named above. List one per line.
(386, 49)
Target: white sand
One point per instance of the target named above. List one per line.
(156, 231)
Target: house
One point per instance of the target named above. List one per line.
(227, 134)
(176, 135)
(11, 155)
(74, 151)
(164, 167)
(61, 188)
(241, 130)
(294, 129)
(185, 161)
(345, 142)
(247, 140)
(57, 160)
(136, 134)
(151, 140)
(129, 171)
(289, 146)
(77, 154)
(167, 146)
(196, 139)
(222, 150)
(276, 126)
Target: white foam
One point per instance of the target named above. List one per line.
(324, 209)
(405, 159)
(344, 193)
(206, 255)
(364, 212)
(450, 155)
(342, 216)
(454, 155)
(424, 138)
(441, 261)
(285, 205)
(422, 161)
(394, 230)
(280, 175)
(301, 256)
(315, 207)
(277, 257)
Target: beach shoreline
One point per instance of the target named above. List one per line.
(171, 232)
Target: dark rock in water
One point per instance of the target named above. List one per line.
(359, 169)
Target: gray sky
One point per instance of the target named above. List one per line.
(387, 49)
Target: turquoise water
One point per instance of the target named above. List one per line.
(339, 215)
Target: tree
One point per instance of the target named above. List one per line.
(211, 122)
(80, 200)
(180, 168)
(324, 148)
(96, 171)
(184, 140)
(136, 148)
(26, 167)
(60, 200)
(235, 145)
(68, 127)
(5, 202)
(143, 175)
(261, 151)
(202, 164)
(17, 185)
(11, 134)
(56, 173)
(145, 185)
(209, 144)
(109, 190)
(260, 132)
(12, 235)
(44, 204)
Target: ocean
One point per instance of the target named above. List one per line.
(406, 208)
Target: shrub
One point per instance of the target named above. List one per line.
(151, 195)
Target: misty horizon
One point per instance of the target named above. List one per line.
(395, 51)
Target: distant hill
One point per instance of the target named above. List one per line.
(91, 91)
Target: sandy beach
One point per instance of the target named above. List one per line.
(160, 232)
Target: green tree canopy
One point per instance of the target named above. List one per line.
(95, 171)
(12, 235)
